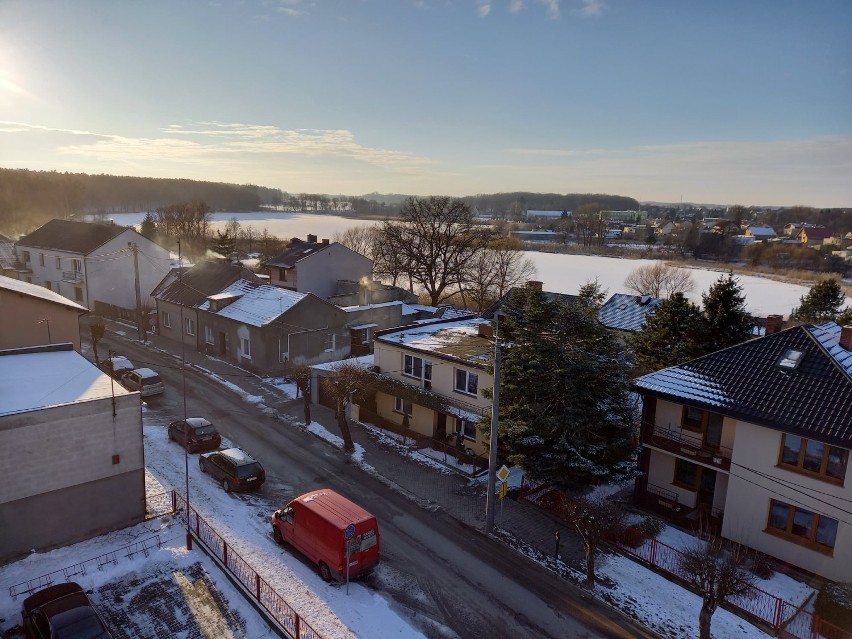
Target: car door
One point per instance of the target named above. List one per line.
(183, 433)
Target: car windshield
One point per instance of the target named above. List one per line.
(204, 430)
(248, 470)
(78, 623)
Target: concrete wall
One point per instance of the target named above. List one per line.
(177, 332)
(318, 273)
(113, 280)
(756, 479)
(19, 317)
(49, 273)
(59, 480)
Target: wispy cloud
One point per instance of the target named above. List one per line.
(592, 7)
(483, 7)
(552, 8)
(515, 6)
(290, 7)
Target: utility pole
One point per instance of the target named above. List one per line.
(490, 502)
(139, 321)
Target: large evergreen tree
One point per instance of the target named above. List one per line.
(821, 304)
(727, 320)
(566, 414)
(673, 334)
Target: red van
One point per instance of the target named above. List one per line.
(320, 524)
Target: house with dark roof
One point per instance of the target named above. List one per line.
(627, 313)
(494, 312)
(317, 267)
(753, 442)
(814, 236)
(93, 264)
(31, 315)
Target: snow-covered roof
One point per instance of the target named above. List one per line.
(35, 380)
(762, 231)
(33, 290)
(627, 312)
(350, 309)
(258, 304)
(458, 339)
(365, 361)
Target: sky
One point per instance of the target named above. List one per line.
(724, 102)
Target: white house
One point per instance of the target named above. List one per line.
(92, 264)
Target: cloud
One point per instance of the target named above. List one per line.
(290, 7)
(592, 7)
(483, 8)
(552, 8)
(515, 6)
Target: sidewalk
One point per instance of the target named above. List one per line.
(458, 496)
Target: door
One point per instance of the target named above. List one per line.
(706, 489)
(713, 435)
(441, 427)
(223, 344)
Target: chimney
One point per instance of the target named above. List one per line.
(312, 238)
(535, 285)
(325, 241)
(774, 323)
(486, 330)
(846, 338)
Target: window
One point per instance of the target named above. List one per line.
(41, 259)
(403, 406)
(692, 419)
(26, 257)
(245, 345)
(686, 474)
(802, 526)
(208, 335)
(466, 427)
(330, 342)
(418, 368)
(790, 359)
(78, 294)
(78, 265)
(466, 382)
(167, 319)
(189, 325)
(282, 274)
(814, 458)
(58, 264)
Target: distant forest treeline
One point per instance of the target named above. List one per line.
(28, 199)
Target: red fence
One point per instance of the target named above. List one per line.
(784, 618)
(274, 604)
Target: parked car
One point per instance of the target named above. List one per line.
(63, 610)
(116, 366)
(195, 434)
(321, 524)
(234, 468)
(145, 380)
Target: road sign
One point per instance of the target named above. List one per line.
(349, 533)
(503, 473)
(503, 489)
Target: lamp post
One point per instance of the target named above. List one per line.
(183, 378)
(45, 320)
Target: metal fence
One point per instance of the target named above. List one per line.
(265, 595)
(785, 619)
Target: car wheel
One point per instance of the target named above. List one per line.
(276, 535)
(324, 571)
(201, 465)
(226, 485)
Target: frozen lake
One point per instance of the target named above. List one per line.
(560, 273)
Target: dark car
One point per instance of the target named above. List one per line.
(62, 611)
(234, 468)
(116, 366)
(195, 434)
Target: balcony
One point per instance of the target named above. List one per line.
(72, 277)
(665, 502)
(683, 445)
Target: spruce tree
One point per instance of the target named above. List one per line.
(566, 414)
(675, 333)
(821, 304)
(728, 323)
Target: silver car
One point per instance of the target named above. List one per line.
(144, 380)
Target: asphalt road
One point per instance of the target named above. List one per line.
(450, 580)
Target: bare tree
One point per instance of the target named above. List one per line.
(594, 521)
(249, 235)
(302, 374)
(494, 270)
(437, 238)
(361, 239)
(590, 223)
(659, 280)
(716, 569)
(97, 328)
(343, 381)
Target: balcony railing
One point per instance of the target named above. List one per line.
(73, 277)
(675, 441)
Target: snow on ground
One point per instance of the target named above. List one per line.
(283, 384)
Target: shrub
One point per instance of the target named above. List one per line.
(834, 604)
(632, 537)
(651, 526)
(762, 565)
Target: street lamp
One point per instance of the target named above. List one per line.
(183, 376)
(45, 320)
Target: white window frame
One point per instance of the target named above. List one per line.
(409, 369)
(41, 259)
(209, 336)
(78, 293)
(245, 347)
(468, 377)
(401, 404)
(77, 264)
(167, 319)
(462, 427)
(330, 342)
(189, 326)
(58, 263)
